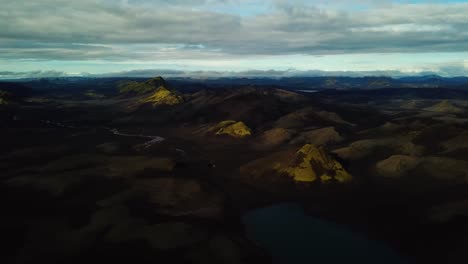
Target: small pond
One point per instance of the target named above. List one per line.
(292, 237)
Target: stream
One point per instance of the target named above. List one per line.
(152, 139)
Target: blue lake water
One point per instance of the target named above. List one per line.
(292, 237)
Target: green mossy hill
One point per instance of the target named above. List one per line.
(140, 88)
(155, 89)
(4, 97)
(156, 81)
(232, 128)
(312, 163)
(308, 164)
(163, 96)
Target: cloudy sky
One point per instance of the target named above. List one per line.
(60, 37)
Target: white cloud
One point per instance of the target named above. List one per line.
(403, 28)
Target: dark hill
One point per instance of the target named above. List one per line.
(16, 90)
(140, 88)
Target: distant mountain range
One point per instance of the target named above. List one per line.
(307, 83)
(370, 82)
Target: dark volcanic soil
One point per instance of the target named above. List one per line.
(72, 191)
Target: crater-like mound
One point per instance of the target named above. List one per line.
(297, 119)
(319, 137)
(434, 167)
(275, 137)
(396, 165)
(364, 148)
(445, 107)
(310, 116)
(444, 168)
(458, 142)
(232, 128)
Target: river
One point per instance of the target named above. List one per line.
(152, 139)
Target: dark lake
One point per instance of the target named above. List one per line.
(292, 237)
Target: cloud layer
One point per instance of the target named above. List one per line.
(210, 30)
(170, 73)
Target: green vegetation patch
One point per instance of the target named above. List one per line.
(135, 88)
(4, 97)
(233, 129)
(312, 163)
(140, 88)
(163, 96)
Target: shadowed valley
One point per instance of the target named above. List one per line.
(118, 169)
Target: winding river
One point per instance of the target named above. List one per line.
(152, 139)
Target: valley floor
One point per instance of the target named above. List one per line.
(74, 190)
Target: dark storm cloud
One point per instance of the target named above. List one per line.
(51, 29)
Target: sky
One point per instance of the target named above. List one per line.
(46, 38)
